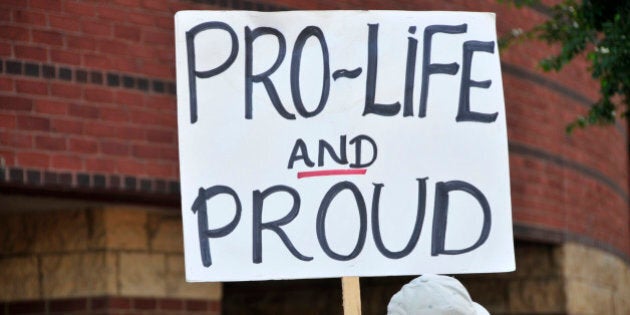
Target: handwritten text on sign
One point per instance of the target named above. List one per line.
(326, 144)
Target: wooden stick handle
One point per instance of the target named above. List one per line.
(351, 295)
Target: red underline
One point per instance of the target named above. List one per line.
(331, 173)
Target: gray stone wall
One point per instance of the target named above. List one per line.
(97, 251)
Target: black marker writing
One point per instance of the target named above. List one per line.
(193, 74)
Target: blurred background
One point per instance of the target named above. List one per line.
(89, 185)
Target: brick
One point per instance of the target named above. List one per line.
(159, 69)
(170, 304)
(9, 159)
(113, 47)
(46, 106)
(141, 19)
(111, 303)
(15, 33)
(80, 8)
(128, 3)
(31, 87)
(166, 55)
(99, 95)
(129, 98)
(160, 170)
(125, 64)
(112, 14)
(215, 306)
(31, 159)
(146, 118)
(29, 17)
(81, 42)
(66, 162)
(160, 38)
(5, 49)
(146, 151)
(14, 3)
(169, 153)
(97, 61)
(162, 102)
(144, 304)
(127, 32)
(48, 5)
(129, 166)
(114, 114)
(141, 51)
(26, 307)
(65, 90)
(7, 121)
(64, 23)
(16, 140)
(30, 53)
(114, 148)
(47, 37)
(161, 136)
(104, 165)
(192, 305)
(50, 143)
(82, 145)
(68, 305)
(99, 303)
(97, 129)
(5, 14)
(33, 123)
(67, 126)
(164, 23)
(6, 84)
(130, 133)
(96, 28)
(66, 57)
(15, 103)
(162, 6)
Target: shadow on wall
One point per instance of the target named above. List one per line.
(535, 288)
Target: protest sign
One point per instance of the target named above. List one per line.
(341, 143)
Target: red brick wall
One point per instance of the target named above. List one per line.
(87, 101)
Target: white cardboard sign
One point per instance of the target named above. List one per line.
(341, 143)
